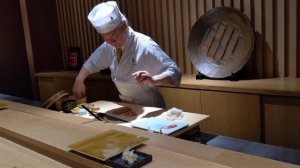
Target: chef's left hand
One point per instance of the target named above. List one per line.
(143, 77)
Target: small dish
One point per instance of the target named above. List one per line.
(117, 162)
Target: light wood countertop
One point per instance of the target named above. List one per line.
(51, 132)
(272, 86)
(14, 155)
(72, 75)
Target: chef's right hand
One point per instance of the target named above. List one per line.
(79, 89)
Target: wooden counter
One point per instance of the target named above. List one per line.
(263, 110)
(72, 75)
(14, 155)
(98, 86)
(272, 86)
(192, 119)
(50, 132)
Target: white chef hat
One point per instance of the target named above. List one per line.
(105, 16)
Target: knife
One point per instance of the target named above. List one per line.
(102, 116)
(93, 114)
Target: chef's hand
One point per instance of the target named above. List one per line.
(143, 77)
(79, 89)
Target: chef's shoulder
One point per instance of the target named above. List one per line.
(145, 42)
(103, 49)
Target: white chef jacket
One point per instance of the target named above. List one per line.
(139, 53)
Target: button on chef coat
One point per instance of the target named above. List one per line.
(140, 53)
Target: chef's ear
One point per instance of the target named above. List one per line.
(125, 20)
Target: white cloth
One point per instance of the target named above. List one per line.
(139, 53)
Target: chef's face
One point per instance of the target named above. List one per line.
(118, 36)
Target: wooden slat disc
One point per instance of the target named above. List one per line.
(221, 42)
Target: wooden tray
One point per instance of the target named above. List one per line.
(107, 144)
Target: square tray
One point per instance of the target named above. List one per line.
(116, 161)
(107, 144)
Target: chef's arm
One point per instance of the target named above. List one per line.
(83, 74)
(79, 87)
(163, 79)
(145, 78)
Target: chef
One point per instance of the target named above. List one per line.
(138, 65)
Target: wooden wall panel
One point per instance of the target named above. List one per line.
(44, 35)
(228, 115)
(227, 2)
(165, 26)
(280, 43)
(292, 37)
(298, 37)
(257, 56)
(168, 22)
(186, 99)
(159, 22)
(178, 34)
(200, 8)
(185, 33)
(268, 31)
(281, 121)
(14, 64)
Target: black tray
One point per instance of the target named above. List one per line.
(116, 161)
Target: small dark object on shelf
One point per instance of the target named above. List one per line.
(117, 162)
(68, 105)
(75, 59)
(239, 75)
(232, 77)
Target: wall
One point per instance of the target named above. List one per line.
(44, 35)
(276, 24)
(29, 43)
(14, 72)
